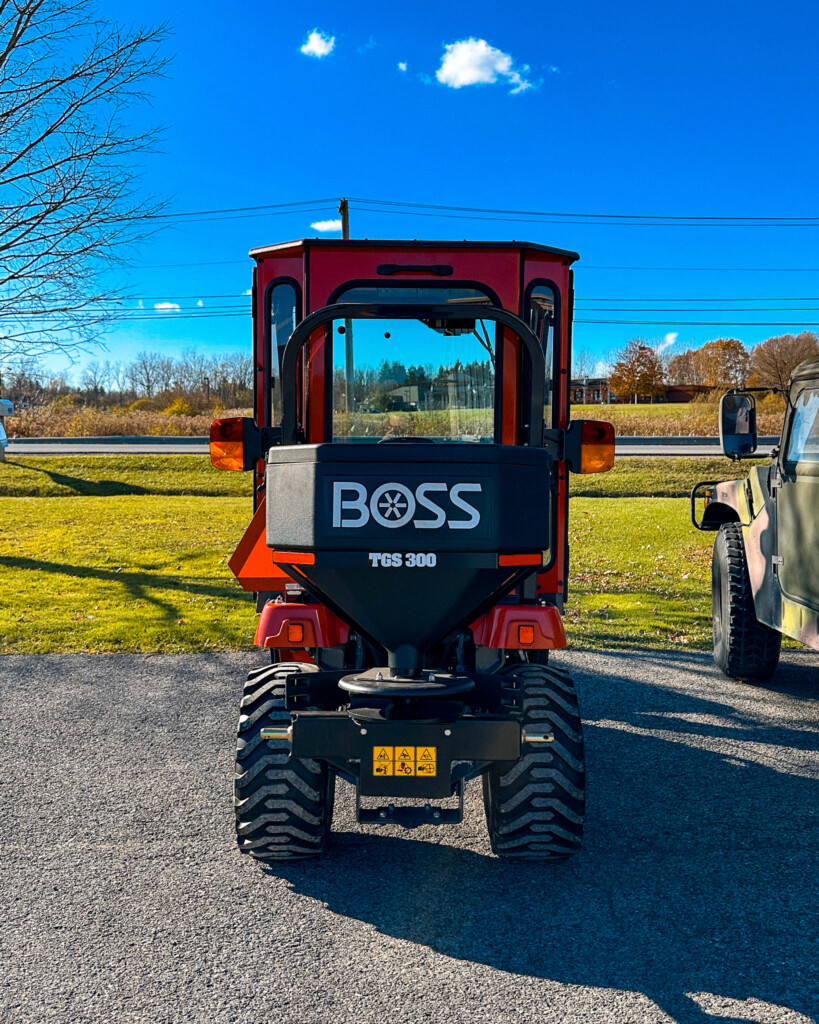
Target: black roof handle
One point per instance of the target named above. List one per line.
(441, 269)
(394, 311)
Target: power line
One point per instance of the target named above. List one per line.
(398, 207)
(209, 263)
(265, 208)
(698, 323)
(720, 270)
(553, 213)
(542, 219)
(749, 298)
(746, 309)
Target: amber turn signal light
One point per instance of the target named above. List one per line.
(295, 633)
(526, 635)
(227, 449)
(596, 446)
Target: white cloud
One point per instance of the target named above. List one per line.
(554, 69)
(139, 305)
(475, 62)
(247, 291)
(172, 306)
(326, 225)
(669, 340)
(200, 303)
(602, 368)
(318, 44)
(402, 65)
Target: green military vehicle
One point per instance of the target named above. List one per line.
(765, 567)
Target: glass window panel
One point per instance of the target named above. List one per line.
(406, 378)
(419, 295)
(803, 443)
(283, 316)
(541, 319)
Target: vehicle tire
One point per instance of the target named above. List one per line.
(744, 648)
(535, 806)
(284, 805)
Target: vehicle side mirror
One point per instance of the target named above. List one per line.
(737, 425)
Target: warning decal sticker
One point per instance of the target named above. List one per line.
(404, 761)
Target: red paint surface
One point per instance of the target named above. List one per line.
(321, 627)
(498, 628)
(506, 271)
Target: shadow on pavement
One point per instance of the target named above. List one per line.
(699, 874)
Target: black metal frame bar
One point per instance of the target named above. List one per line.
(364, 311)
(694, 495)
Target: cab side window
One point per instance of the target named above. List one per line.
(803, 439)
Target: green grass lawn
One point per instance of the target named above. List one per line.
(125, 573)
(640, 575)
(149, 573)
(108, 476)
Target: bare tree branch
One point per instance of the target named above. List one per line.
(69, 196)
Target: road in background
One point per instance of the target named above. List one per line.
(694, 899)
(645, 446)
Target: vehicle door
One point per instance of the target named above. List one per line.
(798, 499)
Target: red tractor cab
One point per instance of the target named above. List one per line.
(410, 447)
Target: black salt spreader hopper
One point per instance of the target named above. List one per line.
(410, 448)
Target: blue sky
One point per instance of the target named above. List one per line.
(695, 109)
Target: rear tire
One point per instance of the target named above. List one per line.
(284, 805)
(744, 647)
(535, 806)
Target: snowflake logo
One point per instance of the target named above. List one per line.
(393, 505)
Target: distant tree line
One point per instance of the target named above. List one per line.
(200, 379)
(641, 371)
(373, 387)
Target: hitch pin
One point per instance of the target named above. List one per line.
(279, 732)
(531, 736)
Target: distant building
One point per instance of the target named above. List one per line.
(590, 391)
(458, 390)
(595, 391)
(685, 392)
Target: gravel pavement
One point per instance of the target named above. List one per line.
(124, 900)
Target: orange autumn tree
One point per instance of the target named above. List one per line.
(637, 373)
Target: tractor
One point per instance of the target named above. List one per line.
(765, 565)
(410, 447)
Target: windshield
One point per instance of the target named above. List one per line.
(413, 378)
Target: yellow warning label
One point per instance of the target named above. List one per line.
(404, 761)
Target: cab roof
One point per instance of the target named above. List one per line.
(567, 255)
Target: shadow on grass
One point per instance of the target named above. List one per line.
(698, 882)
(84, 488)
(80, 487)
(137, 584)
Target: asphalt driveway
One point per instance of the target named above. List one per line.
(124, 900)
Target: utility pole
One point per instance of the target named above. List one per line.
(349, 363)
